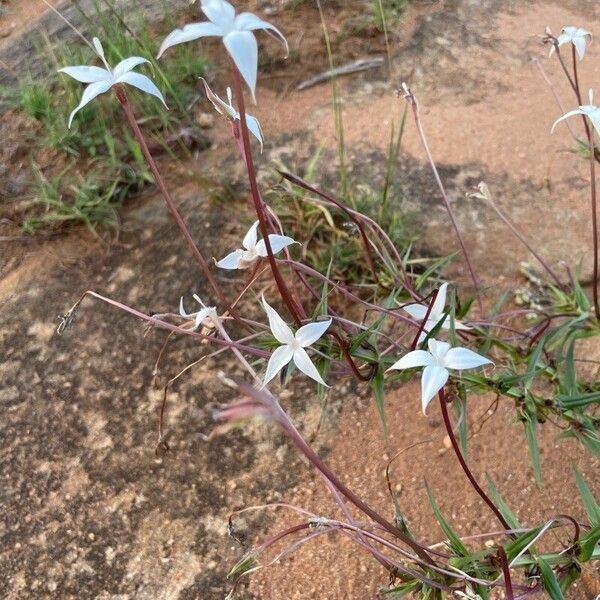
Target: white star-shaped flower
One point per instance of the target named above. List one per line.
(437, 361)
(589, 110)
(577, 36)
(253, 249)
(293, 345)
(205, 312)
(237, 34)
(418, 312)
(101, 80)
(231, 114)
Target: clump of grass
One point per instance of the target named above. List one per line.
(86, 201)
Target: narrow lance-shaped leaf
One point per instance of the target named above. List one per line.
(589, 501)
(549, 580)
(454, 540)
(504, 509)
(532, 442)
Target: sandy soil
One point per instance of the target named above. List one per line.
(91, 512)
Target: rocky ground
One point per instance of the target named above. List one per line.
(90, 511)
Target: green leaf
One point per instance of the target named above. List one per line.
(379, 392)
(532, 442)
(515, 547)
(504, 509)
(572, 402)
(549, 580)
(247, 562)
(435, 266)
(534, 358)
(580, 296)
(589, 502)
(401, 590)
(572, 575)
(460, 409)
(455, 542)
(569, 380)
(589, 438)
(588, 542)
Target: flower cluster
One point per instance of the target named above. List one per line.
(237, 35)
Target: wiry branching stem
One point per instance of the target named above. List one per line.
(292, 304)
(160, 182)
(412, 100)
(463, 462)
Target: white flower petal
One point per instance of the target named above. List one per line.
(438, 349)
(255, 129)
(579, 43)
(87, 74)
(571, 113)
(280, 330)
(416, 311)
(220, 12)
(280, 357)
(249, 241)
(98, 47)
(126, 65)
(242, 47)
(439, 304)
(463, 358)
(309, 334)
(90, 92)
(416, 358)
(182, 309)
(278, 243)
(231, 261)
(190, 32)
(250, 22)
(220, 105)
(100, 51)
(594, 117)
(142, 83)
(203, 314)
(433, 380)
(303, 362)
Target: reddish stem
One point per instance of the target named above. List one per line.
(425, 319)
(158, 178)
(284, 421)
(291, 303)
(463, 464)
(590, 136)
(506, 572)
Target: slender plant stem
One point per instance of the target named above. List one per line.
(412, 100)
(357, 218)
(506, 572)
(564, 68)
(523, 240)
(285, 422)
(594, 224)
(463, 463)
(590, 136)
(287, 297)
(158, 178)
(153, 320)
(577, 90)
(425, 319)
(550, 85)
